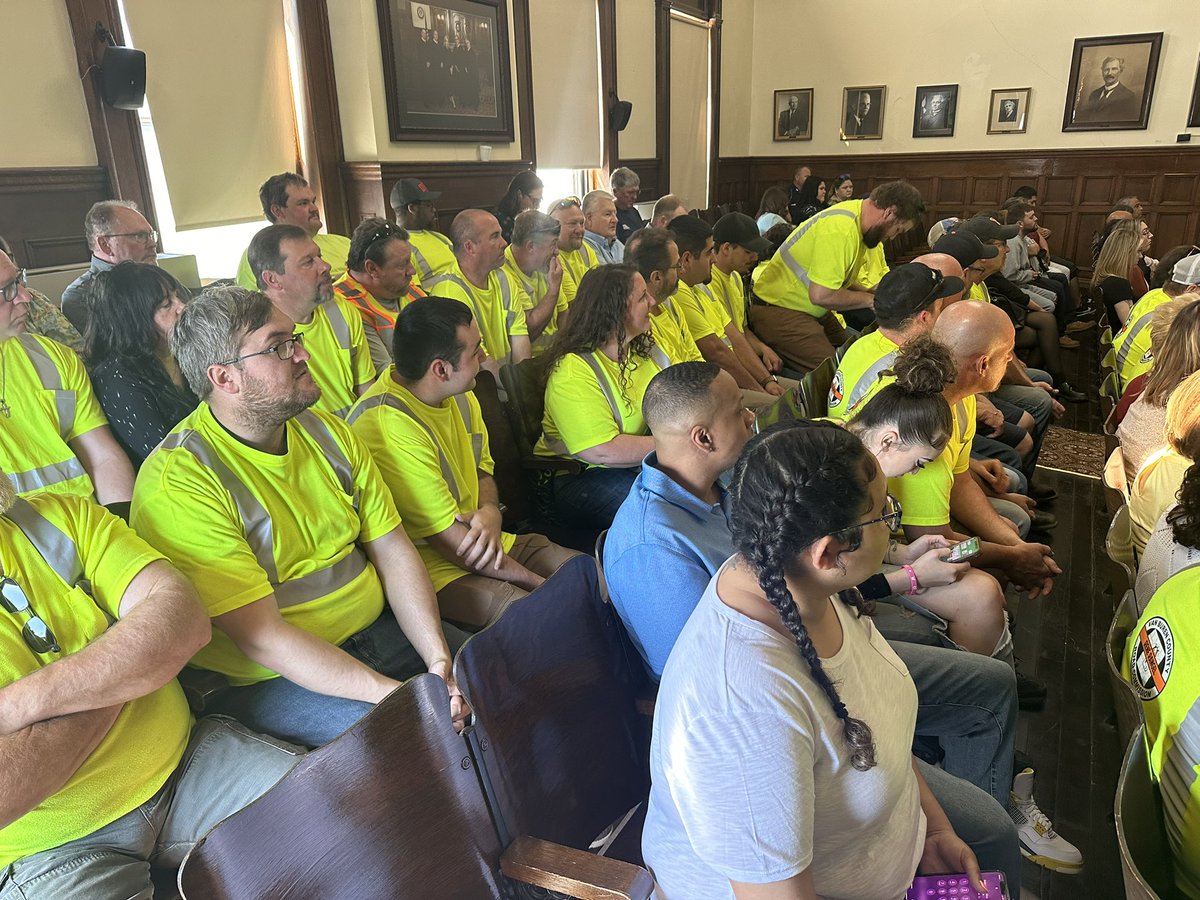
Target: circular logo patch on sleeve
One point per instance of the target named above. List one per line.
(836, 389)
(1151, 659)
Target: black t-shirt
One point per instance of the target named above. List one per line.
(628, 221)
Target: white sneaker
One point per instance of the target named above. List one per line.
(1040, 843)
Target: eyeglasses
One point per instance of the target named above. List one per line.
(285, 350)
(142, 237)
(38, 636)
(9, 291)
(568, 202)
(891, 517)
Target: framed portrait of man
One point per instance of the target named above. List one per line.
(862, 113)
(1009, 111)
(934, 109)
(793, 115)
(1112, 82)
(446, 70)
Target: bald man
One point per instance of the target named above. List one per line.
(667, 208)
(477, 279)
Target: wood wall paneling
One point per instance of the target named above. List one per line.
(648, 171)
(42, 210)
(463, 185)
(1076, 188)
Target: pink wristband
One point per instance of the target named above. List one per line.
(913, 584)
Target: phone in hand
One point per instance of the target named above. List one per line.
(957, 887)
(964, 550)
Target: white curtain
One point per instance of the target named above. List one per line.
(567, 109)
(690, 111)
(220, 96)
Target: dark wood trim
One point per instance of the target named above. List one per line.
(323, 132)
(524, 81)
(117, 133)
(714, 101)
(42, 210)
(611, 149)
(1076, 188)
(647, 170)
(662, 70)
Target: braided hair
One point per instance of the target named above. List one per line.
(794, 484)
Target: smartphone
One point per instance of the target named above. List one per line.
(957, 887)
(964, 550)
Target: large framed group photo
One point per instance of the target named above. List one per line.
(446, 70)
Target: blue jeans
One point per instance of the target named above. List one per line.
(1037, 403)
(224, 768)
(283, 708)
(969, 703)
(982, 823)
(591, 499)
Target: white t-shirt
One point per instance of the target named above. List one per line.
(751, 777)
(1161, 559)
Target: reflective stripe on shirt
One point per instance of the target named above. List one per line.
(52, 544)
(864, 384)
(51, 379)
(256, 521)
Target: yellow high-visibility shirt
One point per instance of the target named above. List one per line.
(497, 308)
(50, 403)
(340, 359)
(147, 740)
(1131, 345)
(859, 374)
(244, 524)
(703, 313)
(531, 290)
(827, 249)
(430, 457)
(432, 255)
(587, 405)
(925, 495)
(731, 291)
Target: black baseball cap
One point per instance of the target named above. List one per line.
(988, 229)
(411, 190)
(910, 288)
(739, 228)
(965, 247)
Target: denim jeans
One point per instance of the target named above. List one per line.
(224, 767)
(591, 499)
(1037, 403)
(969, 703)
(982, 823)
(283, 708)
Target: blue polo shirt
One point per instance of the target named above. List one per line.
(663, 547)
(605, 252)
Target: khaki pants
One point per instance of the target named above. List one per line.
(476, 601)
(801, 341)
(761, 399)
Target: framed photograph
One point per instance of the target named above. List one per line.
(933, 110)
(445, 70)
(1112, 82)
(793, 114)
(862, 113)
(1194, 109)
(1009, 111)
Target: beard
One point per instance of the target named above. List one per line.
(263, 408)
(874, 235)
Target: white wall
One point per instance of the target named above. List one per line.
(902, 44)
(635, 77)
(737, 69)
(45, 113)
(362, 102)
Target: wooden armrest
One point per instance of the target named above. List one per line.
(574, 872)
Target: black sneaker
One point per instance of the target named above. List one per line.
(1043, 521)
(1068, 394)
(1031, 693)
(1042, 494)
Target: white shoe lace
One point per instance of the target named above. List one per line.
(1039, 819)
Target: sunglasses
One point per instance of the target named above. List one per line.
(37, 634)
(568, 202)
(387, 229)
(891, 517)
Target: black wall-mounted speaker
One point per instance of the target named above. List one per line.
(123, 77)
(619, 114)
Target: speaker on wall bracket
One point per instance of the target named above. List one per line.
(619, 112)
(122, 73)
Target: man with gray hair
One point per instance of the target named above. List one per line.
(281, 518)
(600, 227)
(115, 232)
(478, 280)
(531, 263)
(626, 185)
(667, 208)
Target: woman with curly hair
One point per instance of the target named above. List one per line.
(781, 762)
(598, 369)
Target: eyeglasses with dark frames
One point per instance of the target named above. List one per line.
(285, 350)
(9, 291)
(142, 237)
(37, 634)
(891, 517)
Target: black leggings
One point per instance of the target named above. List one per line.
(1040, 336)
